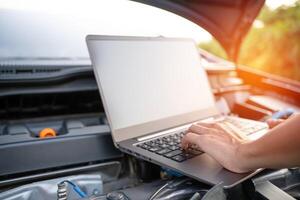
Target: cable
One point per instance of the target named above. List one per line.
(76, 188)
(196, 196)
(158, 191)
(172, 183)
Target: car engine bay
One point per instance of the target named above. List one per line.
(79, 160)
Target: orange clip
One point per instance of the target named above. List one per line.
(47, 132)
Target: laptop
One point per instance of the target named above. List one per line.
(153, 89)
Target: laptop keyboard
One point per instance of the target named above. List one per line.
(170, 147)
(245, 126)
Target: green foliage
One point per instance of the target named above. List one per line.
(213, 47)
(274, 47)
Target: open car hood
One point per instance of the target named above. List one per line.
(227, 20)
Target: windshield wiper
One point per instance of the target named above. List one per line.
(42, 58)
(44, 61)
(42, 69)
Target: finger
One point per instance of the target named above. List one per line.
(223, 130)
(229, 132)
(207, 124)
(215, 125)
(184, 141)
(190, 139)
(202, 130)
(202, 142)
(274, 122)
(234, 131)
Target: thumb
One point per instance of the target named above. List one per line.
(274, 122)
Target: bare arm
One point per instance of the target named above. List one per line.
(279, 148)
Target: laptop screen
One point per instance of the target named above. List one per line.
(150, 80)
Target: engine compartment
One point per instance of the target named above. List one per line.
(83, 148)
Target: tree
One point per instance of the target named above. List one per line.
(273, 47)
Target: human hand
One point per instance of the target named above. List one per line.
(274, 122)
(219, 142)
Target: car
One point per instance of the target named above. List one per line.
(55, 140)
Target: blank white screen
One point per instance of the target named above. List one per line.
(143, 80)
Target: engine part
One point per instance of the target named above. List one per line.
(47, 190)
(47, 132)
(116, 196)
(179, 188)
(62, 192)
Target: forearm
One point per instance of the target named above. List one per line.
(279, 148)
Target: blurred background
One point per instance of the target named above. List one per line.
(273, 43)
(56, 29)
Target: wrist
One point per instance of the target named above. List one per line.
(247, 156)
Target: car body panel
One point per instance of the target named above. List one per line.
(227, 21)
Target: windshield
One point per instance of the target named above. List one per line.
(56, 29)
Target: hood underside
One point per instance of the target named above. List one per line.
(227, 20)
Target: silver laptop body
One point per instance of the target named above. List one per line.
(152, 88)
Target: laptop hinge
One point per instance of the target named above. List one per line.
(169, 131)
(159, 134)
